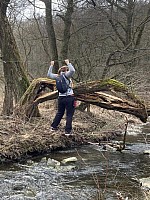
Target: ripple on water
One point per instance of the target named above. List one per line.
(109, 171)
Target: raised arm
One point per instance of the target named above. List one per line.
(71, 71)
(50, 74)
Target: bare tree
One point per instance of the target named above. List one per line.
(128, 31)
(16, 81)
(51, 32)
(66, 17)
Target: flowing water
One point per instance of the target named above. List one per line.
(98, 174)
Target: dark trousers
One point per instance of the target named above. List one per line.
(65, 103)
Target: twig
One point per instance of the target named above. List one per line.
(125, 133)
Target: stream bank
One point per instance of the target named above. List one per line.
(21, 140)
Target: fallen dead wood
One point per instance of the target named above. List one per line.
(26, 108)
(108, 94)
(110, 102)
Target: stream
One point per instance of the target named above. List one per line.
(98, 174)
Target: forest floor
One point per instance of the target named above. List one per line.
(21, 140)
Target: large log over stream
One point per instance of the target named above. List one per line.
(108, 94)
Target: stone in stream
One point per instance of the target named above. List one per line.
(53, 163)
(145, 182)
(67, 160)
(56, 165)
(147, 151)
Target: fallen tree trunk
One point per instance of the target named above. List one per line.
(108, 94)
(114, 103)
(26, 108)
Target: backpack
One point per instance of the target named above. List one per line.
(61, 83)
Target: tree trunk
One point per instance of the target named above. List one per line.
(51, 33)
(95, 92)
(16, 81)
(67, 25)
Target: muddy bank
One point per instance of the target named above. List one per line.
(21, 140)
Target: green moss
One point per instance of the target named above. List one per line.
(118, 86)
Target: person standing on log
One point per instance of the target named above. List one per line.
(65, 100)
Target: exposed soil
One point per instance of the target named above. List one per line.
(21, 140)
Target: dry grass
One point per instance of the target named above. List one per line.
(20, 139)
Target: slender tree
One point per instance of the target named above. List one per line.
(51, 32)
(66, 17)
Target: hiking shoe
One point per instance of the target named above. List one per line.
(68, 133)
(54, 129)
